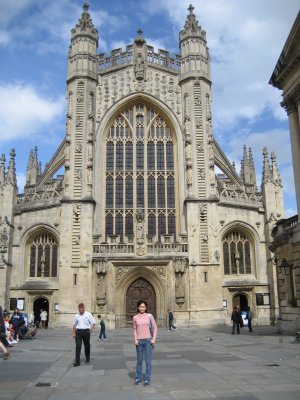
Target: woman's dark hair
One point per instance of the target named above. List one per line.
(141, 302)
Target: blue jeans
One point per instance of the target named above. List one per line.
(237, 326)
(144, 347)
(102, 332)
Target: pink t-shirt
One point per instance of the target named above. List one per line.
(141, 326)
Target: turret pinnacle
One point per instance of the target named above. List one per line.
(11, 178)
(2, 170)
(252, 168)
(248, 168)
(85, 20)
(266, 176)
(191, 26)
(33, 167)
(275, 170)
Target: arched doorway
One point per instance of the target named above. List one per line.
(241, 301)
(40, 304)
(140, 289)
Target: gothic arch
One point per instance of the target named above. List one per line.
(30, 234)
(250, 233)
(153, 278)
(100, 148)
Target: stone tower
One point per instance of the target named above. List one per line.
(80, 127)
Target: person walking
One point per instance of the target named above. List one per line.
(102, 328)
(145, 332)
(249, 317)
(235, 318)
(83, 326)
(171, 319)
(3, 336)
(43, 318)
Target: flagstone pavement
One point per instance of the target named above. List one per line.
(188, 364)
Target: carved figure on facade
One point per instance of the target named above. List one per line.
(78, 121)
(76, 210)
(180, 290)
(140, 226)
(91, 104)
(89, 178)
(78, 147)
(4, 236)
(198, 122)
(101, 290)
(78, 174)
(68, 129)
(80, 97)
(139, 68)
(188, 150)
(120, 272)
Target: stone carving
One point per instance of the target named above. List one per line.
(201, 172)
(80, 97)
(70, 104)
(202, 209)
(76, 210)
(101, 290)
(180, 290)
(90, 126)
(198, 122)
(120, 272)
(101, 266)
(140, 226)
(78, 174)
(113, 87)
(188, 150)
(68, 129)
(91, 104)
(140, 251)
(189, 176)
(4, 236)
(217, 256)
(179, 265)
(89, 178)
(78, 121)
(139, 68)
(78, 147)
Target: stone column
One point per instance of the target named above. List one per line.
(293, 112)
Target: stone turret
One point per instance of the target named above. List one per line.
(33, 168)
(194, 51)
(2, 170)
(248, 168)
(11, 178)
(82, 55)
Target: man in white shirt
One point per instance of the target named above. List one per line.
(43, 317)
(83, 326)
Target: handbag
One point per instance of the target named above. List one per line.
(150, 326)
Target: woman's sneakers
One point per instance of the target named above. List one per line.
(137, 381)
(146, 383)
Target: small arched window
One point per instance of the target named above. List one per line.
(236, 253)
(43, 256)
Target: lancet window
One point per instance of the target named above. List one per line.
(236, 253)
(140, 173)
(43, 256)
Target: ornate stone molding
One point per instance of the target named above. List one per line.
(122, 271)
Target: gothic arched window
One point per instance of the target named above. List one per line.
(236, 253)
(140, 173)
(43, 251)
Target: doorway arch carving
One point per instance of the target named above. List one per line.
(140, 289)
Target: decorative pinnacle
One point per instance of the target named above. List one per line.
(86, 6)
(139, 32)
(191, 9)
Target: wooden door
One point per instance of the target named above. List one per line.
(140, 289)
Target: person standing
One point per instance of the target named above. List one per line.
(17, 321)
(249, 317)
(145, 332)
(102, 328)
(171, 319)
(43, 318)
(235, 318)
(83, 326)
(3, 336)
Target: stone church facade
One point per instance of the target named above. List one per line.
(149, 206)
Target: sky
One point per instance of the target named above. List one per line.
(245, 39)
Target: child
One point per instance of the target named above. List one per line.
(102, 328)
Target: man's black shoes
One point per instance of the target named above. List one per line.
(75, 364)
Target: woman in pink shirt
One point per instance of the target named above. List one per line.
(145, 331)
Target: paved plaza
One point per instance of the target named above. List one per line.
(188, 364)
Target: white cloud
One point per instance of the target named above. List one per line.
(290, 212)
(21, 180)
(25, 113)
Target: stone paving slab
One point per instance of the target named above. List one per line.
(185, 366)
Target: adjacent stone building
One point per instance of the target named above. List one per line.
(149, 206)
(286, 234)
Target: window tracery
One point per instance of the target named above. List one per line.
(236, 254)
(140, 173)
(43, 256)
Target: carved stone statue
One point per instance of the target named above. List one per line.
(139, 68)
(101, 290)
(140, 226)
(189, 176)
(179, 290)
(188, 150)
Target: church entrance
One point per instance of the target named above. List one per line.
(40, 304)
(140, 289)
(241, 301)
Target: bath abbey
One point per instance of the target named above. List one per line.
(148, 206)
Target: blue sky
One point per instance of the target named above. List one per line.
(245, 40)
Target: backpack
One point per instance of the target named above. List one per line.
(150, 325)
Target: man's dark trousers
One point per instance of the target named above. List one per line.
(82, 335)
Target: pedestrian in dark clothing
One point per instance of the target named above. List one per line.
(102, 328)
(249, 317)
(171, 319)
(17, 321)
(235, 318)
